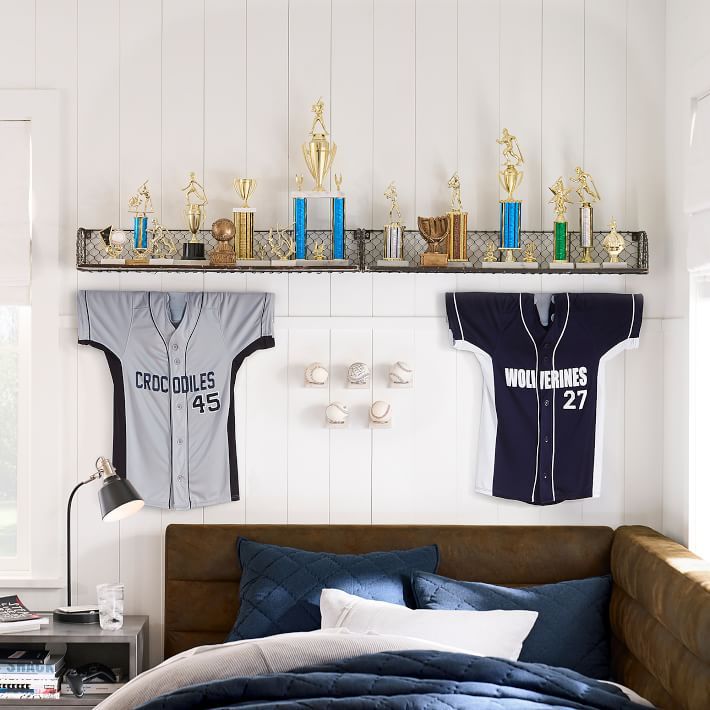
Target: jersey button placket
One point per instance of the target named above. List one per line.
(546, 416)
(179, 416)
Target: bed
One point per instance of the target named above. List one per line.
(659, 610)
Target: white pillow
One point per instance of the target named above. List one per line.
(482, 633)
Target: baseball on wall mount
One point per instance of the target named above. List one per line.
(380, 415)
(316, 375)
(401, 375)
(336, 415)
(358, 376)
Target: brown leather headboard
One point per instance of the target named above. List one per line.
(202, 572)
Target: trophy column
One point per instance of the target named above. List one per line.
(510, 211)
(243, 218)
(561, 243)
(337, 221)
(300, 224)
(457, 250)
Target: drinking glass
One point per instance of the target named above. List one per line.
(110, 599)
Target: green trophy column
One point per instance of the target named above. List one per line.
(561, 246)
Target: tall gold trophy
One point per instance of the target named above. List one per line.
(393, 233)
(510, 208)
(195, 201)
(587, 192)
(319, 152)
(458, 223)
(244, 219)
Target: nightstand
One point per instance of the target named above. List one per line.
(126, 648)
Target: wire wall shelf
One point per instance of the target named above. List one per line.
(364, 251)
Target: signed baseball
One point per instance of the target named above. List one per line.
(316, 374)
(380, 412)
(401, 373)
(358, 373)
(337, 413)
(118, 238)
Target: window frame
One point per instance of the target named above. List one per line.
(43, 564)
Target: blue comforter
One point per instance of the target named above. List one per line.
(405, 679)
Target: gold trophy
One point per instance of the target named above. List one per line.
(393, 246)
(435, 230)
(162, 245)
(319, 152)
(244, 219)
(613, 244)
(587, 192)
(223, 230)
(561, 246)
(140, 206)
(195, 201)
(458, 223)
(510, 209)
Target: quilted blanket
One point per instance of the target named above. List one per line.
(405, 679)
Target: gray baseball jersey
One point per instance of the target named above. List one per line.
(173, 358)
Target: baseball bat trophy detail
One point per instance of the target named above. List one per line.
(588, 194)
(434, 231)
(561, 244)
(393, 233)
(195, 201)
(140, 206)
(243, 218)
(510, 208)
(114, 241)
(224, 231)
(458, 224)
(161, 245)
(613, 244)
(380, 415)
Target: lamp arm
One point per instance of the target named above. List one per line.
(93, 477)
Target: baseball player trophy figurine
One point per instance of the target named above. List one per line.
(195, 201)
(510, 209)
(587, 192)
(458, 224)
(560, 200)
(393, 245)
(614, 244)
(162, 245)
(140, 206)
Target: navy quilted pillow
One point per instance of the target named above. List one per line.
(571, 631)
(281, 586)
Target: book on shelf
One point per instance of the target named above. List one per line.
(31, 678)
(29, 695)
(12, 654)
(12, 610)
(44, 663)
(14, 627)
(94, 688)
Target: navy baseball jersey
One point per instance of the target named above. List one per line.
(174, 358)
(543, 358)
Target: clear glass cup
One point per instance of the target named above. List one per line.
(110, 602)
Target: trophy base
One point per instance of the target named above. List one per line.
(393, 263)
(380, 425)
(503, 264)
(112, 262)
(433, 259)
(561, 265)
(587, 265)
(253, 262)
(224, 260)
(139, 261)
(336, 425)
(284, 263)
(193, 251)
(159, 261)
(529, 265)
(458, 263)
(614, 265)
(192, 262)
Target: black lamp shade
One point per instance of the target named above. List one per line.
(118, 499)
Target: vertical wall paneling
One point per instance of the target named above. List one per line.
(521, 95)
(393, 294)
(308, 440)
(351, 294)
(351, 448)
(17, 51)
(478, 110)
(394, 119)
(605, 106)
(267, 113)
(352, 104)
(140, 43)
(276, 283)
(183, 105)
(436, 104)
(98, 113)
(309, 294)
(226, 82)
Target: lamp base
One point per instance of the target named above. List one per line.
(82, 615)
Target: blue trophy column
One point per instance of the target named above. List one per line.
(510, 224)
(338, 224)
(300, 225)
(140, 232)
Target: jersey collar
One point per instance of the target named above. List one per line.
(539, 332)
(159, 304)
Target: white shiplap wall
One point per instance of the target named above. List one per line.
(414, 90)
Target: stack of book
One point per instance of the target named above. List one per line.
(30, 674)
(16, 617)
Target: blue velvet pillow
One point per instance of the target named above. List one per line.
(280, 587)
(572, 629)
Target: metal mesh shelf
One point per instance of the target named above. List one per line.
(364, 247)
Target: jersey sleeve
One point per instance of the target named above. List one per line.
(104, 319)
(614, 319)
(247, 321)
(477, 319)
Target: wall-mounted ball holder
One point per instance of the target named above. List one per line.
(380, 415)
(401, 375)
(336, 415)
(358, 376)
(316, 375)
